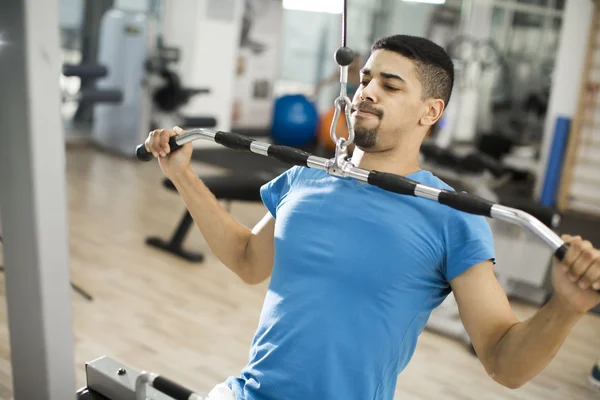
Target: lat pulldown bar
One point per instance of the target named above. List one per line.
(339, 166)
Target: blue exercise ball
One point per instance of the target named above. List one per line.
(295, 121)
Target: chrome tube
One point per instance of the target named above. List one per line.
(343, 81)
(260, 148)
(529, 222)
(318, 163)
(144, 379)
(193, 134)
(427, 192)
(358, 174)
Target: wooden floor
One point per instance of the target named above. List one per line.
(194, 322)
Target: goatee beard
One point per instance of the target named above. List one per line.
(365, 138)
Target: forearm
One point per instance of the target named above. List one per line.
(226, 238)
(529, 346)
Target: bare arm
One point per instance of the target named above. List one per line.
(247, 252)
(512, 351)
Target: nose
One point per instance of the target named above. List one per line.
(367, 93)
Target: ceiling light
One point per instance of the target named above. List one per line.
(323, 6)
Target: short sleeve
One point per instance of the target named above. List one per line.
(468, 241)
(275, 190)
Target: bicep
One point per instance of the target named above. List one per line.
(484, 309)
(260, 250)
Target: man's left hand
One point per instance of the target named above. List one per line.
(576, 280)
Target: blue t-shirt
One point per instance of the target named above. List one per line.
(357, 272)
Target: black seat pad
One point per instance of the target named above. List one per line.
(232, 187)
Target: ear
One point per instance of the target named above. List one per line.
(434, 109)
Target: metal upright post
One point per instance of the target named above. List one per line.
(33, 202)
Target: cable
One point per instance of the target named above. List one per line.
(344, 56)
(345, 23)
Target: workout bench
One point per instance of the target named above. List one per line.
(230, 187)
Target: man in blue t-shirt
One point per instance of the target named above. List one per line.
(355, 271)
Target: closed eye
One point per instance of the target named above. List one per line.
(386, 87)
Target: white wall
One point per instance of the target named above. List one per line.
(309, 40)
(209, 47)
(300, 48)
(410, 18)
(564, 95)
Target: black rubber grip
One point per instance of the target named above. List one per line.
(467, 203)
(85, 70)
(233, 140)
(391, 182)
(561, 252)
(144, 155)
(288, 155)
(171, 389)
(101, 96)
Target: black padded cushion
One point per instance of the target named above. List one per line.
(232, 187)
(199, 122)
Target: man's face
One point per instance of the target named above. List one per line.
(388, 103)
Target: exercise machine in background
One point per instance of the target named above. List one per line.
(90, 95)
(481, 75)
(140, 65)
(168, 92)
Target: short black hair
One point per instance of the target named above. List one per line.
(433, 65)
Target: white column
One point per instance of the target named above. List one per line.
(564, 94)
(33, 202)
(207, 33)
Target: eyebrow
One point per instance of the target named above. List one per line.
(386, 75)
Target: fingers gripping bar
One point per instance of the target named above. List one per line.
(386, 181)
(142, 153)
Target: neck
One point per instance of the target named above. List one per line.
(402, 160)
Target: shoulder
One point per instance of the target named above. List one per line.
(290, 175)
(427, 178)
(455, 222)
(308, 176)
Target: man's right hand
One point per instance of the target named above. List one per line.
(173, 164)
(246, 252)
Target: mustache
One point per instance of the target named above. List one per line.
(368, 108)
